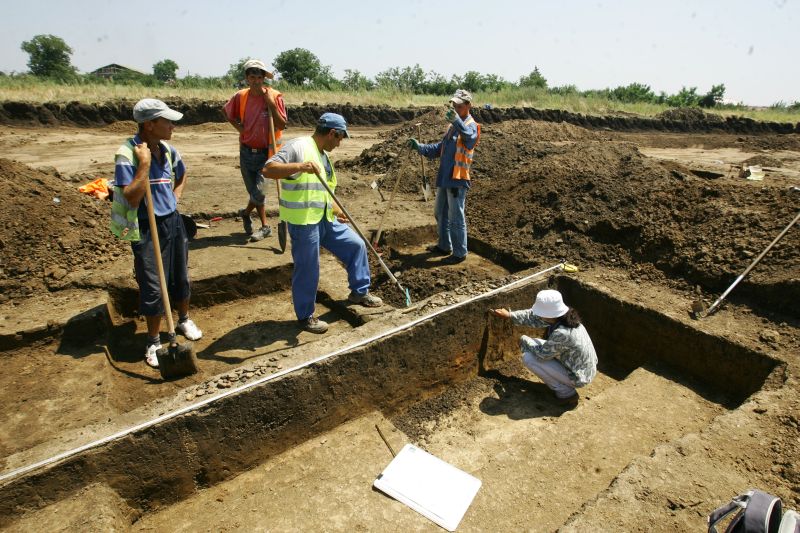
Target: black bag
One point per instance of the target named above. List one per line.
(756, 512)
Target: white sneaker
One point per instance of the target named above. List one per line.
(189, 329)
(150, 356)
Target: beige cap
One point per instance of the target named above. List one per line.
(256, 63)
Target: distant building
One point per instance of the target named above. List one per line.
(109, 71)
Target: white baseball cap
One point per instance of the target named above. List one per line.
(549, 304)
(151, 109)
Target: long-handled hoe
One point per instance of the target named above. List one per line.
(699, 309)
(369, 244)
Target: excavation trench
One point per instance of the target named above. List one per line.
(172, 456)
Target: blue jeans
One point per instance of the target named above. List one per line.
(251, 163)
(341, 241)
(449, 212)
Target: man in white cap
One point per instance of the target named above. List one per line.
(565, 359)
(146, 160)
(315, 221)
(250, 111)
(455, 152)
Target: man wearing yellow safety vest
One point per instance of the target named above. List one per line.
(455, 151)
(146, 160)
(249, 111)
(314, 221)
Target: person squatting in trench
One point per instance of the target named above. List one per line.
(565, 359)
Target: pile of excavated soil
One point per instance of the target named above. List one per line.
(47, 230)
(764, 161)
(519, 139)
(690, 114)
(544, 191)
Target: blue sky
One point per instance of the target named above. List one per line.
(750, 46)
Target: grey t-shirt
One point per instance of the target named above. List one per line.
(293, 151)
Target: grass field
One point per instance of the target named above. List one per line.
(25, 90)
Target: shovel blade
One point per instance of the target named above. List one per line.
(176, 361)
(426, 188)
(282, 230)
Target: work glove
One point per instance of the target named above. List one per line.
(450, 115)
(413, 144)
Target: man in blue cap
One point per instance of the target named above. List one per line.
(146, 160)
(315, 221)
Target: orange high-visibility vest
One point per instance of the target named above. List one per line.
(463, 158)
(243, 94)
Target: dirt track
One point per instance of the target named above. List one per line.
(657, 217)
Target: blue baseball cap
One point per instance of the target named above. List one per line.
(333, 121)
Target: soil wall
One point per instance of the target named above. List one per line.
(199, 112)
(169, 461)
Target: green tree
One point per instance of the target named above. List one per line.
(435, 83)
(534, 79)
(326, 80)
(49, 57)
(165, 70)
(635, 92)
(684, 98)
(235, 72)
(408, 79)
(713, 97)
(298, 66)
(355, 81)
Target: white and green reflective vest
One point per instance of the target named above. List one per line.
(304, 199)
(124, 217)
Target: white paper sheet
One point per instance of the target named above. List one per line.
(430, 486)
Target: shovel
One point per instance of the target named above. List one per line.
(282, 223)
(369, 244)
(176, 360)
(699, 309)
(426, 186)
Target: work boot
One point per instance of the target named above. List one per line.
(150, 356)
(189, 329)
(453, 260)
(246, 222)
(367, 299)
(569, 401)
(435, 250)
(259, 234)
(314, 325)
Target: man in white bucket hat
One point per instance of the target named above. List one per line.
(565, 359)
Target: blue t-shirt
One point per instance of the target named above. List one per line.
(164, 202)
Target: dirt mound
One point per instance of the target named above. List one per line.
(47, 230)
(123, 126)
(689, 114)
(601, 204)
(764, 161)
(509, 141)
(544, 192)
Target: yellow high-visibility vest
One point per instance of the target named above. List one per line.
(304, 199)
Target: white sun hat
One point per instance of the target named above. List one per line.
(549, 304)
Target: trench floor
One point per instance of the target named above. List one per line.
(538, 463)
